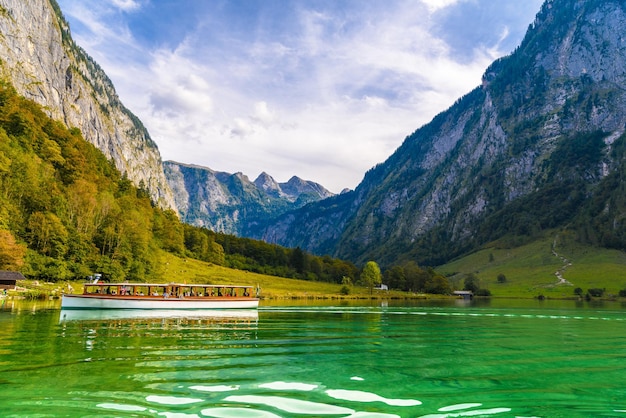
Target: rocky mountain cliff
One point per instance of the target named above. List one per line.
(39, 57)
(231, 203)
(539, 145)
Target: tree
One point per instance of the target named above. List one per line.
(11, 253)
(471, 283)
(501, 278)
(416, 277)
(346, 284)
(395, 278)
(168, 229)
(370, 276)
(215, 253)
(47, 234)
(298, 260)
(595, 292)
(438, 285)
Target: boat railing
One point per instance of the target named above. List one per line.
(171, 290)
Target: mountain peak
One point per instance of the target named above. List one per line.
(296, 187)
(267, 183)
(231, 203)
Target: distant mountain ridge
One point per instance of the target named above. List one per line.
(295, 188)
(539, 145)
(231, 203)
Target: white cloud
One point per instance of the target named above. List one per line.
(262, 114)
(434, 5)
(325, 100)
(178, 89)
(126, 5)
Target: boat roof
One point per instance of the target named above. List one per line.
(99, 283)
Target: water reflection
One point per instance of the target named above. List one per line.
(17, 306)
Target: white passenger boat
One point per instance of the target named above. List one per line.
(101, 295)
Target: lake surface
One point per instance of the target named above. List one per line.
(439, 359)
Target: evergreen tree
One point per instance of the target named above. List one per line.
(370, 276)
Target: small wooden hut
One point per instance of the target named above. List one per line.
(8, 279)
(465, 294)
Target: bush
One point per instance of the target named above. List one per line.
(622, 293)
(596, 293)
(483, 292)
(471, 283)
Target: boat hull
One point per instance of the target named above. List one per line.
(247, 316)
(130, 302)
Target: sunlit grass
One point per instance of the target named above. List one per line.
(530, 269)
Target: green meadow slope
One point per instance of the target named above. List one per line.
(552, 267)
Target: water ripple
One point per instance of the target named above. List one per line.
(360, 396)
(291, 405)
(237, 413)
(288, 386)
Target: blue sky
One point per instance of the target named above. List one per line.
(321, 89)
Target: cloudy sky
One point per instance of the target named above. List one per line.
(321, 89)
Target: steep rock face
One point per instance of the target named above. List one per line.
(44, 64)
(539, 145)
(231, 203)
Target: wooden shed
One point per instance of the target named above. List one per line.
(465, 294)
(8, 279)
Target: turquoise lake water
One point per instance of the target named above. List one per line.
(445, 359)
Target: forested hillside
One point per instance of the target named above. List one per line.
(65, 209)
